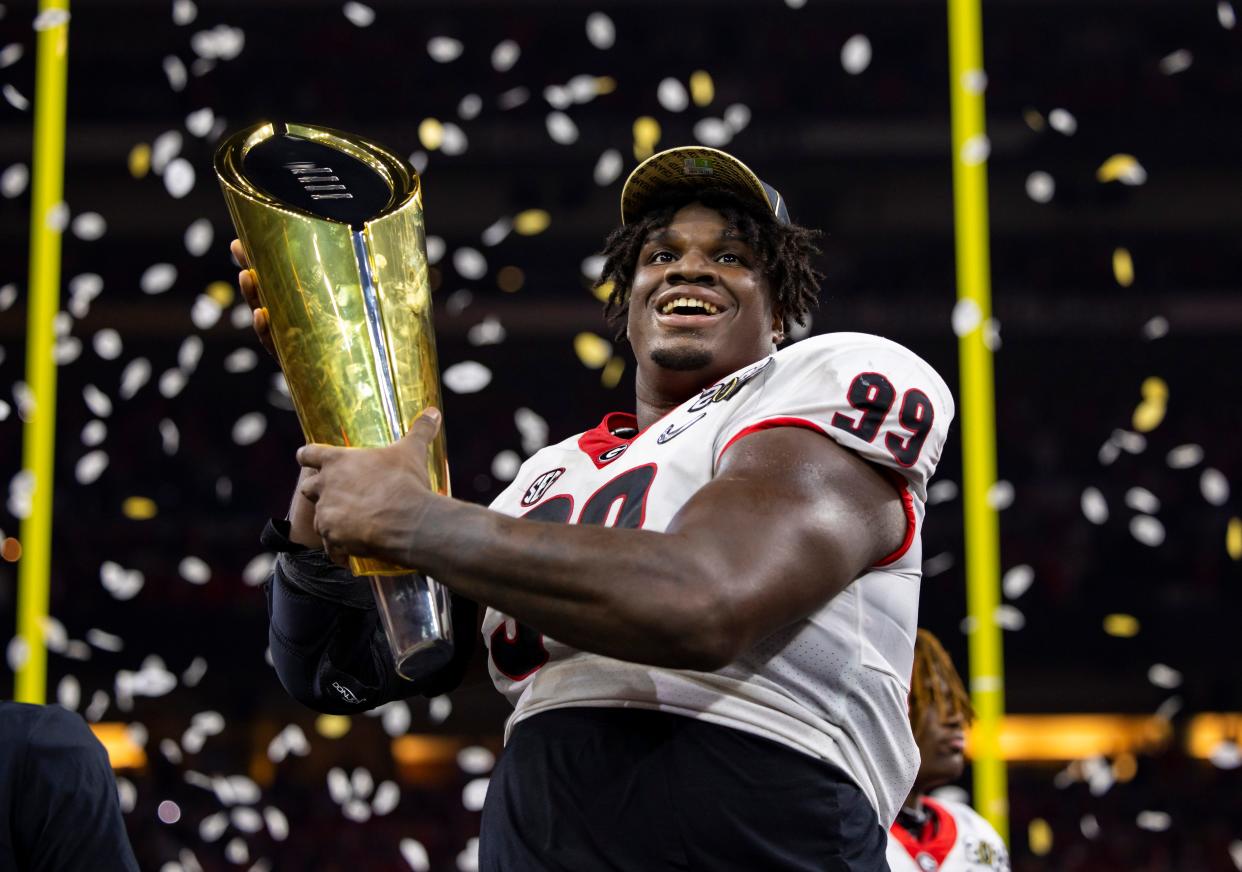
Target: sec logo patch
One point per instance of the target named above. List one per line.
(540, 486)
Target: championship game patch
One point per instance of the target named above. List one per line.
(699, 166)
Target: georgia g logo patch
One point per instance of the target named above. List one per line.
(540, 486)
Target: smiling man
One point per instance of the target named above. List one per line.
(708, 651)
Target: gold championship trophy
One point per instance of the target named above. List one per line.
(333, 226)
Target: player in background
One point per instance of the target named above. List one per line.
(940, 834)
(703, 611)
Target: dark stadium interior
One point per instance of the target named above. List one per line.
(864, 157)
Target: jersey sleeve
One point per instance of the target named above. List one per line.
(868, 394)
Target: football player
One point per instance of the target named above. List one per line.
(702, 610)
(940, 834)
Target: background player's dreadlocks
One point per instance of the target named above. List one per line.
(784, 252)
(936, 683)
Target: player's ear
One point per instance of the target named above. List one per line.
(778, 328)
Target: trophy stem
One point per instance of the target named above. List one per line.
(375, 329)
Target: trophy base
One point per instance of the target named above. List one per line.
(417, 620)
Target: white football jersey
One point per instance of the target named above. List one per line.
(963, 842)
(832, 685)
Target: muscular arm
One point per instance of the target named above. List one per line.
(788, 522)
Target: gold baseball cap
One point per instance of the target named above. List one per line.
(692, 167)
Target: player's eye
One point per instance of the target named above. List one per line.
(661, 256)
(729, 257)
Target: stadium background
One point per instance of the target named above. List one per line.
(1114, 215)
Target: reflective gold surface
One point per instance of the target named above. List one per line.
(311, 284)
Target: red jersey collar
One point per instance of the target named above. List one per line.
(602, 444)
(938, 836)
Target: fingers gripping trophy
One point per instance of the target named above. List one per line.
(332, 226)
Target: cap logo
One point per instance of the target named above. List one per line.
(699, 166)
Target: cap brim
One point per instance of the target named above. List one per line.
(690, 168)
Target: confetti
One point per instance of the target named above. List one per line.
(246, 819)
(139, 160)
(505, 55)
(795, 4)
(179, 177)
(496, 231)
(489, 331)
(104, 641)
(469, 263)
(241, 360)
(258, 569)
(608, 167)
(10, 54)
(1094, 507)
(702, 88)
(431, 133)
(611, 374)
(1233, 539)
(1063, 122)
(1142, 500)
(200, 121)
(14, 180)
(475, 760)
(1214, 486)
(205, 312)
(1000, 495)
(94, 433)
(415, 855)
(1184, 456)
(1123, 168)
(855, 54)
(533, 427)
(561, 128)
(1226, 755)
(135, 375)
(712, 132)
(444, 49)
(1008, 617)
(1147, 530)
(510, 279)
(600, 30)
(592, 350)
(15, 98)
(277, 823)
(1153, 821)
(194, 570)
(1040, 187)
(1123, 267)
(184, 12)
(1039, 837)
(646, 132)
(469, 107)
(474, 794)
(942, 491)
(737, 117)
(975, 150)
(212, 827)
(557, 96)
(359, 14)
(439, 709)
(90, 466)
(122, 583)
(170, 438)
(171, 383)
(174, 71)
(505, 465)
(1176, 62)
(236, 851)
(966, 317)
(672, 95)
(1164, 676)
(1225, 15)
(531, 222)
(453, 141)
(1122, 626)
(467, 377)
(249, 428)
(8, 296)
(468, 859)
(89, 226)
(1017, 580)
(513, 98)
(97, 401)
(158, 278)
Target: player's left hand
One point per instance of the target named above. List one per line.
(369, 501)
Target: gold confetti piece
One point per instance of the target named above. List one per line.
(1039, 837)
(1033, 119)
(140, 160)
(1121, 625)
(1125, 767)
(510, 279)
(221, 292)
(431, 133)
(603, 291)
(532, 222)
(1154, 388)
(613, 370)
(139, 508)
(605, 85)
(1148, 415)
(1121, 167)
(332, 726)
(702, 88)
(11, 550)
(646, 136)
(1233, 538)
(594, 351)
(1123, 267)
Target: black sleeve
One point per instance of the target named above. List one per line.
(68, 817)
(326, 639)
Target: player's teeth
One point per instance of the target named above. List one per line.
(689, 303)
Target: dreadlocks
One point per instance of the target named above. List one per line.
(784, 253)
(936, 683)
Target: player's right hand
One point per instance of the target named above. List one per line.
(249, 286)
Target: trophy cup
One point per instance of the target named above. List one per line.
(333, 226)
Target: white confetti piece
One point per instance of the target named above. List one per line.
(97, 708)
(513, 98)
(1214, 486)
(533, 427)
(468, 858)
(1184, 456)
(856, 54)
(1169, 708)
(966, 317)
(1153, 821)
(189, 353)
(171, 382)
(1040, 187)
(205, 312)
(89, 226)
(237, 851)
(439, 709)
(200, 121)
(241, 360)
(24, 397)
(795, 4)
(558, 96)
(505, 465)
(158, 278)
(14, 180)
(58, 217)
(942, 492)
(444, 49)
(1142, 500)
(126, 793)
(16, 653)
(1000, 495)
(11, 54)
(469, 264)
(1226, 755)
(69, 693)
(497, 231)
(475, 760)
(136, 374)
(359, 14)
(361, 783)
(104, 641)
(8, 296)
(505, 55)
(608, 167)
(1094, 507)
(55, 636)
(976, 150)
(194, 672)
(387, 796)
(258, 569)
(240, 316)
(474, 794)
(4, 410)
(489, 331)
(220, 43)
(246, 819)
(15, 98)
(198, 237)
(1147, 530)
(356, 810)
(454, 141)
(90, 466)
(179, 177)
(1090, 826)
(1225, 15)
(170, 437)
(1009, 617)
(165, 147)
(593, 266)
(1164, 676)
(737, 117)
(712, 132)
(1129, 441)
(413, 852)
(469, 107)
(171, 752)
(184, 12)
(1176, 62)
(338, 785)
(277, 823)
(1063, 122)
(66, 350)
(561, 128)
(672, 95)
(194, 570)
(1017, 580)
(174, 71)
(974, 81)
(213, 826)
(600, 30)
(21, 494)
(435, 249)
